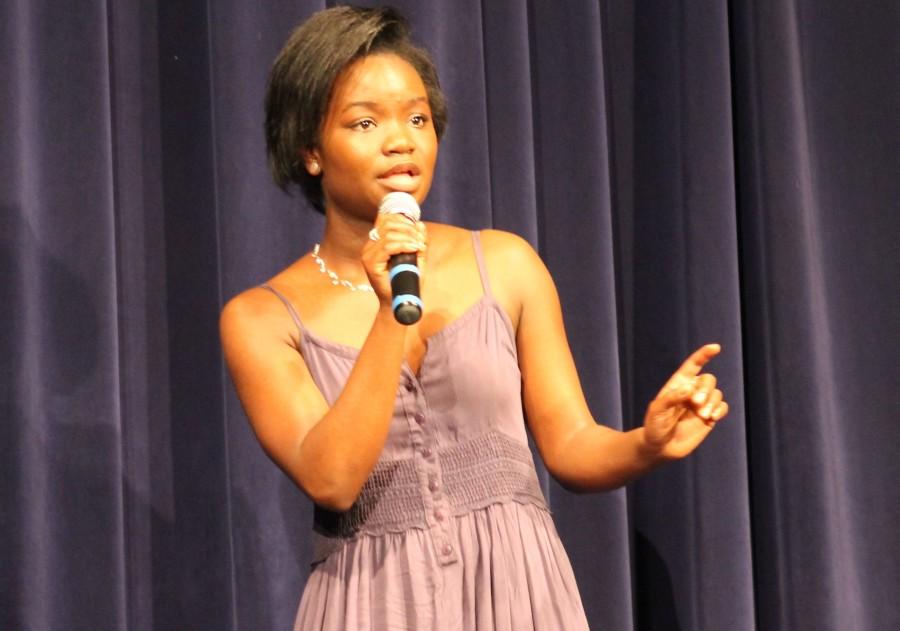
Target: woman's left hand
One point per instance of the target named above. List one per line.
(686, 409)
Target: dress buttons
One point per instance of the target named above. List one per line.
(426, 451)
(433, 485)
(420, 417)
(438, 515)
(447, 549)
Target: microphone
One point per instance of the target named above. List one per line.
(406, 303)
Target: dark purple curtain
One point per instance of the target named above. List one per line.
(690, 172)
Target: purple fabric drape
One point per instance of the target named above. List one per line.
(690, 172)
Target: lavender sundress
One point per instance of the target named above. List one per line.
(451, 530)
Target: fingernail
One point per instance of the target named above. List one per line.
(706, 411)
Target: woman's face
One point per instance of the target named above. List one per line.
(377, 136)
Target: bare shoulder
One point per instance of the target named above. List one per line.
(494, 242)
(510, 259)
(515, 269)
(255, 314)
(500, 243)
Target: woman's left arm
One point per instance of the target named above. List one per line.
(581, 454)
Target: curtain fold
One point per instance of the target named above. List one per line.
(574, 219)
(817, 153)
(62, 493)
(689, 172)
(678, 259)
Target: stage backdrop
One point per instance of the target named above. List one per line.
(690, 171)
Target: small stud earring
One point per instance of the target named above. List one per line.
(314, 167)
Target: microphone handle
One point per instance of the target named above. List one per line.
(406, 304)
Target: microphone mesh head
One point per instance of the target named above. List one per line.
(402, 203)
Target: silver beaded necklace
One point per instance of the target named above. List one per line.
(335, 279)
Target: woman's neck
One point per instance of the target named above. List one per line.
(343, 239)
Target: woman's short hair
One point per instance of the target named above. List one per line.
(304, 72)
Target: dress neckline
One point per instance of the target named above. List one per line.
(351, 352)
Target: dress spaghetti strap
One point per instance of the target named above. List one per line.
(290, 307)
(479, 259)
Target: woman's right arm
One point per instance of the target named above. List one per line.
(327, 451)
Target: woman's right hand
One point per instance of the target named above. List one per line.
(397, 234)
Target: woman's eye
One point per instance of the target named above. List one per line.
(364, 124)
(418, 120)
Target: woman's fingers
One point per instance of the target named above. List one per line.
(698, 359)
(703, 387)
(689, 396)
(711, 403)
(392, 234)
(678, 390)
(399, 234)
(719, 412)
(683, 383)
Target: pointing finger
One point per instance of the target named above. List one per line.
(698, 359)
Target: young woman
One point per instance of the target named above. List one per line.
(411, 440)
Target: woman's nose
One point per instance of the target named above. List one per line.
(397, 139)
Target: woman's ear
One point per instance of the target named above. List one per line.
(311, 162)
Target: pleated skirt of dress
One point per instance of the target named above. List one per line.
(512, 575)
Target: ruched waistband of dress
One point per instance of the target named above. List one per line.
(492, 468)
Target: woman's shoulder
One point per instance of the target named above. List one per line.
(504, 243)
(251, 304)
(511, 262)
(509, 258)
(492, 240)
(261, 307)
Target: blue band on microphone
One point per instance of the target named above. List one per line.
(406, 298)
(404, 267)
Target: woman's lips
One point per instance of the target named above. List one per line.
(401, 177)
(408, 168)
